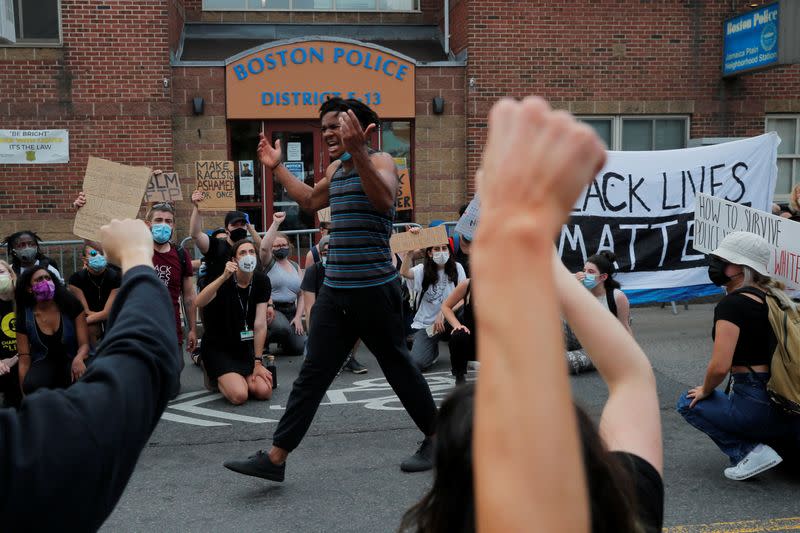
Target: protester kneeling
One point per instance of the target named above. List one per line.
(235, 316)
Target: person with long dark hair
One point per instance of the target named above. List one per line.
(235, 315)
(531, 464)
(24, 252)
(598, 276)
(52, 335)
(432, 281)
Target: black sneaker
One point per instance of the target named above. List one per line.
(422, 459)
(354, 366)
(258, 465)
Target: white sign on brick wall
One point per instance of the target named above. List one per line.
(32, 147)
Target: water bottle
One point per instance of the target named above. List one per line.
(272, 370)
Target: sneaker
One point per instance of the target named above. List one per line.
(460, 378)
(422, 459)
(354, 366)
(760, 459)
(195, 355)
(258, 465)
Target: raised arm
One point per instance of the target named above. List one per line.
(265, 248)
(528, 460)
(308, 198)
(377, 171)
(196, 223)
(408, 263)
(108, 415)
(209, 292)
(631, 420)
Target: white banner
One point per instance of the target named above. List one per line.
(641, 207)
(715, 218)
(31, 147)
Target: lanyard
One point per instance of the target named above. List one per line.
(239, 299)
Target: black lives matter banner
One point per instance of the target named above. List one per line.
(641, 207)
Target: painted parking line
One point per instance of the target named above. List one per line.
(191, 421)
(743, 526)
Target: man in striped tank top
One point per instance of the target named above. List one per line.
(361, 294)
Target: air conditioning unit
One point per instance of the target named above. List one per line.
(7, 32)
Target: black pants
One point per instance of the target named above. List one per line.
(48, 373)
(462, 350)
(340, 317)
(9, 386)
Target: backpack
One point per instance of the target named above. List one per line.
(783, 386)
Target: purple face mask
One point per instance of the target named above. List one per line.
(44, 290)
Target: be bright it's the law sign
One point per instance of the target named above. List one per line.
(31, 147)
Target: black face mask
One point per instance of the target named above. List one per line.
(238, 234)
(716, 271)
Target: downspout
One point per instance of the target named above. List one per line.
(447, 28)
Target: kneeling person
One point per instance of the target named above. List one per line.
(235, 311)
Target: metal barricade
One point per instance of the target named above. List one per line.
(67, 254)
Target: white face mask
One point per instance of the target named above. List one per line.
(248, 263)
(441, 258)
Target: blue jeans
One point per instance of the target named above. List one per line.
(743, 419)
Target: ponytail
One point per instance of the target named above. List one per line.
(605, 264)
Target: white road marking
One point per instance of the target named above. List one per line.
(192, 421)
(191, 407)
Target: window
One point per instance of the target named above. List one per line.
(311, 5)
(788, 129)
(37, 21)
(641, 133)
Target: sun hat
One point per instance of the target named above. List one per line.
(745, 248)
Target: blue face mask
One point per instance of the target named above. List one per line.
(97, 262)
(590, 281)
(345, 157)
(161, 233)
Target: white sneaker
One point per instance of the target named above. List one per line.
(762, 458)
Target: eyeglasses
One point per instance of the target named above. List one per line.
(164, 206)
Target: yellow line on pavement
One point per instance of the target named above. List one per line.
(743, 526)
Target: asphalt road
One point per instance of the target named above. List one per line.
(345, 476)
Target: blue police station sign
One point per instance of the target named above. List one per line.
(751, 40)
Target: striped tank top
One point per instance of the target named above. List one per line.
(358, 249)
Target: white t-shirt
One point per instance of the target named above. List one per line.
(431, 302)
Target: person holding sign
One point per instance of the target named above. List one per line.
(742, 422)
(361, 292)
(432, 281)
(235, 318)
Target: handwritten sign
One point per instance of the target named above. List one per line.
(164, 187)
(216, 180)
(714, 218)
(324, 215)
(469, 220)
(405, 201)
(112, 191)
(403, 242)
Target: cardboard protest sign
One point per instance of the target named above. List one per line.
(469, 220)
(164, 187)
(216, 180)
(405, 201)
(112, 191)
(324, 215)
(403, 242)
(714, 218)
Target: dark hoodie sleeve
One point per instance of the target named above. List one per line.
(67, 455)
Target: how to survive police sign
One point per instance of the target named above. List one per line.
(641, 207)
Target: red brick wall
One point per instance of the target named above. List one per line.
(609, 56)
(105, 85)
(177, 16)
(459, 25)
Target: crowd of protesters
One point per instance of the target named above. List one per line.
(255, 290)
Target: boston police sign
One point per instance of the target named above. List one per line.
(762, 38)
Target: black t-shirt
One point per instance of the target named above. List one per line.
(96, 289)
(224, 317)
(218, 254)
(8, 330)
(314, 278)
(756, 341)
(648, 489)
